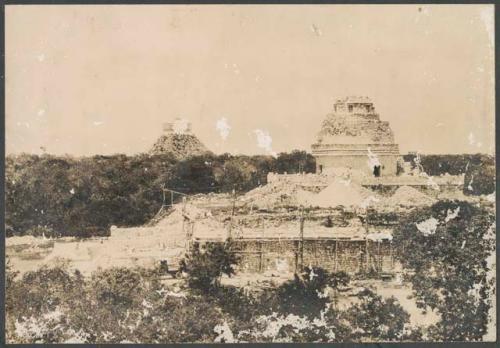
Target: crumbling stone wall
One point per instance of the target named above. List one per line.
(340, 216)
(354, 160)
(367, 127)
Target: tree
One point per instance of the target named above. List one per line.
(305, 294)
(443, 250)
(116, 286)
(296, 162)
(480, 178)
(375, 318)
(194, 175)
(236, 172)
(205, 264)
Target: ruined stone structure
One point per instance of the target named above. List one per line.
(178, 140)
(353, 136)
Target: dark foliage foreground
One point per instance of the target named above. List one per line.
(445, 251)
(130, 305)
(444, 259)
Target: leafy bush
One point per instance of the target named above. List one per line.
(42, 231)
(116, 286)
(480, 179)
(376, 318)
(205, 265)
(305, 294)
(37, 297)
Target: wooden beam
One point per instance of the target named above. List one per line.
(169, 190)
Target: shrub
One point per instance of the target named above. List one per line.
(305, 294)
(42, 231)
(204, 265)
(116, 286)
(375, 318)
(35, 296)
(480, 179)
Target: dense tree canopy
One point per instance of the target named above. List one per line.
(205, 265)
(50, 195)
(444, 251)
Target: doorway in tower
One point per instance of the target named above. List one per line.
(376, 171)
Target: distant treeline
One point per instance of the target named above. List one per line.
(67, 196)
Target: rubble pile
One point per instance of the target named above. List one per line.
(342, 193)
(212, 200)
(186, 216)
(408, 196)
(308, 181)
(343, 190)
(278, 193)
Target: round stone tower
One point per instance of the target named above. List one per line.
(353, 136)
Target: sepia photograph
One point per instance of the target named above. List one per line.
(279, 173)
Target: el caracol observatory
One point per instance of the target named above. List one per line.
(353, 136)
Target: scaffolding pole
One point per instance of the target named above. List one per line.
(301, 245)
(232, 215)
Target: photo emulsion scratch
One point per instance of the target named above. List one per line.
(234, 174)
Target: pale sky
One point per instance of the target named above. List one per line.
(87, 80)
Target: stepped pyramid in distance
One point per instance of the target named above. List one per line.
(178, 140)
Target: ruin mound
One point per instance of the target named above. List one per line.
(343, 193)
(278, 193)
(181, 146)
(355, 121)
(408, 196)
(186, 218)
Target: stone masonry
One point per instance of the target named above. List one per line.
(353, 136)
